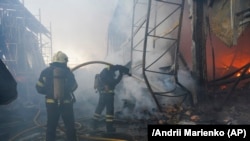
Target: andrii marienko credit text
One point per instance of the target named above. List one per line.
(187, 132)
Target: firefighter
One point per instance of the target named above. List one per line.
(107, 80)
(58, 83)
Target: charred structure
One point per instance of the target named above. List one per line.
(190, 57)
(25, 44)
(207, 39)
(22, 41)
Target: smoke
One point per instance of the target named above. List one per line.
(82, 34)
(86, 97)
(129, 89)
(79, 28)
(160, 53)
(133, 97)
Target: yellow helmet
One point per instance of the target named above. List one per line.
(60, 57)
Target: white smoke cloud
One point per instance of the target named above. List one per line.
(79, 28)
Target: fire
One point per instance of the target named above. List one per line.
(238, 74)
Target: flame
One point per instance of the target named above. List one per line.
(238, 74)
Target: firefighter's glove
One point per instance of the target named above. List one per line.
(125, 70)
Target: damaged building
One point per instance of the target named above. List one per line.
(189, 61)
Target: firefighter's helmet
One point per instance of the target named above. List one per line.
(60, 57)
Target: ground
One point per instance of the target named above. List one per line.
(17, 125)
(225, 109)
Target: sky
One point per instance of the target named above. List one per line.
(78, 27)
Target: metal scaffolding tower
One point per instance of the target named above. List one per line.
(153, 42)
(161, 26)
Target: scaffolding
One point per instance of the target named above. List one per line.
(25, 43)
(22, 37)
(153, 43)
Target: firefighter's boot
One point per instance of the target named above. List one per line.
(110, 128)
(94, 124)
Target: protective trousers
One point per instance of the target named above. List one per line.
(106, 100)
(54, 111)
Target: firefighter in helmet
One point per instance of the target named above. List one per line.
(107, 80)
(58, 83)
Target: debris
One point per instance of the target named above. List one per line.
(188, 113)
(195, 118)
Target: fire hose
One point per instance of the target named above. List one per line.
(105, 63)
(88, 63)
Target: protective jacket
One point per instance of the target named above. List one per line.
(108, 81)
(108, 76)
(45, 84)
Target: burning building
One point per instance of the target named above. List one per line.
(182, 54)
(206, 39)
